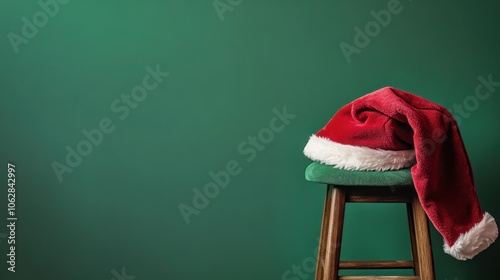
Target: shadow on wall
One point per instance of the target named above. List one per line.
(486, 179)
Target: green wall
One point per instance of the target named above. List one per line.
(231, 75)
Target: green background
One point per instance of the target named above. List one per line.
(119, 207)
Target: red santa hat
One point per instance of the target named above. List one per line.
(390, 129)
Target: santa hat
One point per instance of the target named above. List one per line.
(390, 129)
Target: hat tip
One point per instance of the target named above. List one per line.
(474, 241)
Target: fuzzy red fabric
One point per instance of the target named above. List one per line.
(394, 120)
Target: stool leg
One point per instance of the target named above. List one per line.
(413, 242)
(331, 234)
(324, 233)
(424, 266)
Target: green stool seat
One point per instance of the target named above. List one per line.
(327, 174)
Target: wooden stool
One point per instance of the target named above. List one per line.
(364, 186)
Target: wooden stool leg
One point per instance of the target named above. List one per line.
(331, 234)
(323, 234)
(413, 241)
(425, 266)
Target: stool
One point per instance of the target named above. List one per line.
(369, 186)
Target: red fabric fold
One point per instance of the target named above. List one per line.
(392, 119)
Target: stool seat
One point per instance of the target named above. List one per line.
(327, 174)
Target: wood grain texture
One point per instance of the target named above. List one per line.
(329, 263)
(378, 194)
(423, 242)
(379, 278)
(334, 234)
(375, 264)
(324, 233)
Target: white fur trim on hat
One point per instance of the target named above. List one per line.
(356, 157)
(474, 241)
